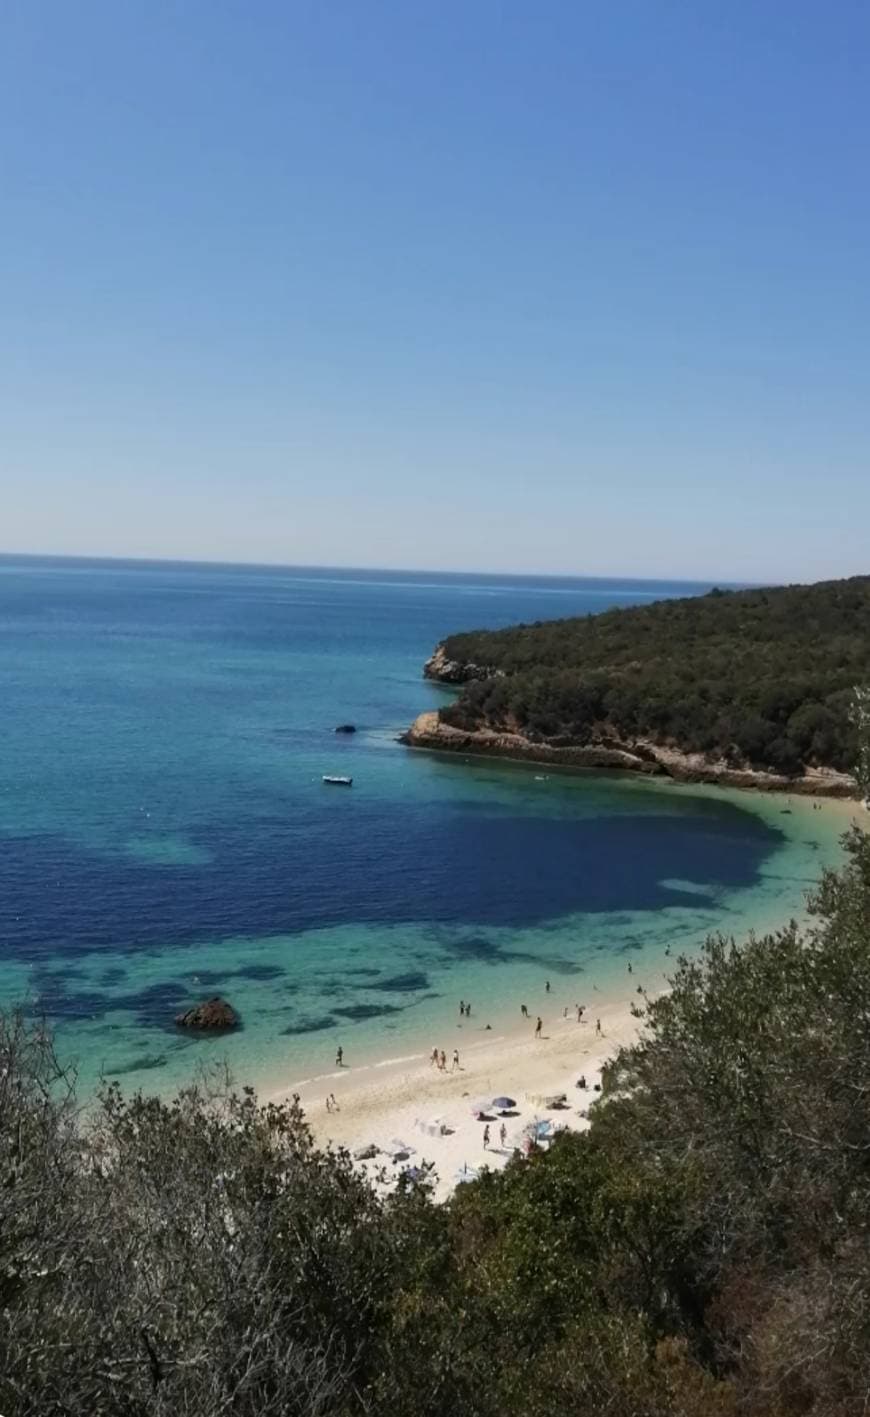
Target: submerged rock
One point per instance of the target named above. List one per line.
(210, 1016)
(346, 728)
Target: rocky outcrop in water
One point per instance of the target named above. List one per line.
(213, 1016)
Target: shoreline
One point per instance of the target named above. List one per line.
(647, 759)
(390, 1101)
(383, 1099)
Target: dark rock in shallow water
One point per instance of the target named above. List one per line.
(402, 983)
(209, 1017)
(357, 1012)
(310, 1025)
(346, 728)
(136, 1065)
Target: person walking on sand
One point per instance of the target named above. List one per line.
(579, 1013)
(538, 1027)
(328, 1105)
(486, 1136)
(455, 1060)
(433, 1061)
(502, 1134)
(339, 1057)
(443, 1061)
(335, 1106)
(597, 1026)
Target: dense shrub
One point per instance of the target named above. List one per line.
(762, 677)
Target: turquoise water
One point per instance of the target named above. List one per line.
(166, 834)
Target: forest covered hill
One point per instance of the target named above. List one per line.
(759, 678)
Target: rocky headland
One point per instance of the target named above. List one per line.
(604, 751)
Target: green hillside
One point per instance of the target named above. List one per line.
(762, 678)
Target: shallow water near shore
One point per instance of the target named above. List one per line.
(166, 834)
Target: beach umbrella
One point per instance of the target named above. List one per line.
(481, 1107)
(403, 1147)
(503, 1103)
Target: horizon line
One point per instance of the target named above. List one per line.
(118, 560)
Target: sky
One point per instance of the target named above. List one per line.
(564, 286)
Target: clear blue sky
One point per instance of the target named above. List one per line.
(567, 286)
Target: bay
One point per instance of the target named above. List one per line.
(165, 832)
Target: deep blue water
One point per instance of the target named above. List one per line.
(166, 832)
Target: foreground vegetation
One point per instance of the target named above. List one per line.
(761, 678)
(703, 1249)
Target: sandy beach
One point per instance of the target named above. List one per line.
(408, 1105)
(407, 1100)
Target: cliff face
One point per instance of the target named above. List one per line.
(453, 671)
(640, 755)
(428, 731)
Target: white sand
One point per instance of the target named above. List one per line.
(383, 1103)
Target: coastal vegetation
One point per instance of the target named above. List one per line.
(702, 1249)
(762, 678)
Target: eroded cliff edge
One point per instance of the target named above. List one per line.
(429, 731)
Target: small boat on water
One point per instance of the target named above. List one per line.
(333, 781)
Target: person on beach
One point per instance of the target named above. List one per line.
(547, 987)
(502, 1134)
(443, 1061)
(433, 1061)
(524, 1011)
(597, 1027)
(486, 1136)
(538, 1027)
(629, 967)
(335, 1106)
(328, 1105)
(339, 1057)
(581, 1082)
(579, 1013)
(455, 1060)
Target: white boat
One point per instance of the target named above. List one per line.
(337, 781)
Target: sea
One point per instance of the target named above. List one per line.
(165, 833)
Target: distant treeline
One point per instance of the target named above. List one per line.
(757, 677)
